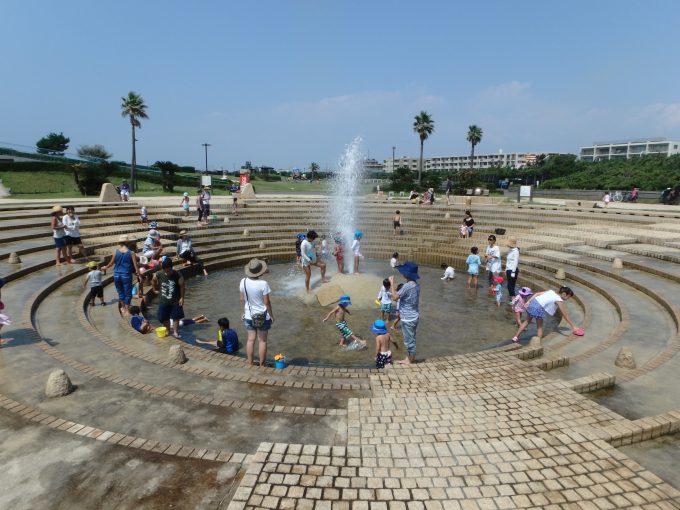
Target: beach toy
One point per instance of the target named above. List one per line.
(377, 302)
(161, 332)
(578, 332)
(280, 361)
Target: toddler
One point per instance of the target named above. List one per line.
(298, 248)
(396, 222)
(473, 262)
(144, 215)
(356, 249)
(449, 272)
(94, 282)
(185, 203)
(340, 310)
(498, 290)
(394, 261)
(519, 303)
(385, 298)
(397, 315)
(339, 253)
(383, 355)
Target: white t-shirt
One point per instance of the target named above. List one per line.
(548, 301)
(493, 265)
(356, 248)
(206, 198)
(449, 273)
(307, 251)
(393, 262)
(72, 225)
(384, 296)
(257, 290)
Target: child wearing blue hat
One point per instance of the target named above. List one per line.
(340, 310)
(356, 249)
(383, 355)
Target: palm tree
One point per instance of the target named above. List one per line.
(313, 168)
(133, 107)
(424, 126)
(474, 136)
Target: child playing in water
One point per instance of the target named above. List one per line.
(498, 290)
(227, 339)
(397, 315)
(324, 248)
(137, 320)
(385, 298)
(473, 262)
(394, 261)
(298, 248)
(356, 249)
(339, 253)
(519, 303)
(383, 355)
(185, 203)
(449, 272)
(340, 310)
(396, 222)
(94, 282)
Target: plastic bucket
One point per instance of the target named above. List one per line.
(161, 332)
(280, 363)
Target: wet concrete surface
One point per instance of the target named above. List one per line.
(659, 455)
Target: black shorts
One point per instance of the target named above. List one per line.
(97, 291)
(170, 311)
(73, 241)
(396, 224)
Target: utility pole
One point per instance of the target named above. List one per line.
(206, 145)
(393, 164)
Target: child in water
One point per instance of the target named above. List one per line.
(473, 262)
(519, 303)
(394, 261)
(298, 248)
(94, 282)
(227, 339)
(449, 272)
(397, 315)
(383, 339)
(339, 253)
(498, 290)
(385, 298)
(356, 249)
(324, 248)
(340, 310)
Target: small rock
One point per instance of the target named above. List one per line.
(447, 216)
(246, 232)
(433, 226)
(58, 384)
(625, 359)
(226, 219)
(617, 263)
(176, 355)
(560, 275)
(14, 258)
(263, 245)
(535, 341)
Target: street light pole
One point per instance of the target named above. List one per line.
(393, 149)
(206, 145)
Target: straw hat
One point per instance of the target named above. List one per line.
(123, 239)
(183, 232)
(255, 268)
(512, 242)
(57, 209)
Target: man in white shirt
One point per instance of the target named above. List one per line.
(308, 259)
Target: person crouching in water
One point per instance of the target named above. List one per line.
(340, 310)
(383, 354)
(185, 251)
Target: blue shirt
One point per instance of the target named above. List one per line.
(122, 263)
(136, 322)
(473, 262)
(228, 340)
(409, 298)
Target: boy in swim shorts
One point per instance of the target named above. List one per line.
(340, 310)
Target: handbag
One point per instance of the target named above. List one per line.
(257, 319)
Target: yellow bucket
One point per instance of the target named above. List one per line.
(161, 332)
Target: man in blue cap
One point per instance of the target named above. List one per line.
(408, 298)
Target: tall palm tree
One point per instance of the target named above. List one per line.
(424, 126)
(133, 107)
(314, 168)
(474, 136)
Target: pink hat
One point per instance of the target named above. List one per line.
(525, 291)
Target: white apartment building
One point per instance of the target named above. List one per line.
(390, 165)
(626, 149)
(457, 163)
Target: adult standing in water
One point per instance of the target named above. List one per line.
(257, 308)
(309, 259)
(124, 265)
(511, 266)
(58, 234)
(409, 299)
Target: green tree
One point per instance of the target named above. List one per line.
(54, 144)
(402, 179)
(424, 126)
(133, 107)
(95, 152)
(90, 177)
(168, 169)
(313, 168)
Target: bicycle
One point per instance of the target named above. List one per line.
(617, 196)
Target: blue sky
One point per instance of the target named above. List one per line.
(285, 83)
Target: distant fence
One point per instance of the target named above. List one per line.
(577, 194)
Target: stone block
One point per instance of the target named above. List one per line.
(176, 355)
(246, 232)
(226, 219)
(535, 341)
(108, 193)
(617, 263)
(625, 358)
(263, 245)
(248, 191)
(447, 216)
(560, 274)
(58, 384)
(14, 258)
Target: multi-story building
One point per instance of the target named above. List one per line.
(626, 149)
(390, 165)
(458, 163)
(373, 165)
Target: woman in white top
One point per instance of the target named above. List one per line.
(547, 302)
(492, 257)
(72, 228)
(58, 234)
(257, 308)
